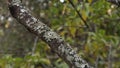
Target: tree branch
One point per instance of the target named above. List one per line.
(57, 44)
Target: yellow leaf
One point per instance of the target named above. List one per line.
(73, 30)
(7, 24)
(62, 33)
(47, 48)
(1, 32)
(90, 1)
(44, 60)
(84, 15)
(86, 49)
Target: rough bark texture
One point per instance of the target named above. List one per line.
(57, 44)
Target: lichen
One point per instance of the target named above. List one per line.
(34, 19)
(69, 58)
(15, 2)
(78, 64)
(84, 66)
(50, 35)
(22, 10)
(62, 49)
(27, 21)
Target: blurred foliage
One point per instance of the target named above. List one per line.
(99, 44)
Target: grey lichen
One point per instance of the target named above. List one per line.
(40, 28)
(69, 58)
(85, 66)
(14, 2)
(50, 35)
(27, 21)
(22, 10)
(62, 49)
(72, 57)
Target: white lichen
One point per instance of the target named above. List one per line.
(17, 5)
(78, 64)
(61, 48)
(27, 21)
(21, 13)
(38, 28)
(41, 31)
(15, 2)
(77, 58)
(20, 17)
(23, 10)
(50, 35)
(84, 65)
(72, 51)
(34, 19)
(69, 58)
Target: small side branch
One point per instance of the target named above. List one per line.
(34, 45)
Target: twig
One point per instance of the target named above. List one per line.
(79, 13)
(110, 57)
(96, 63)
(34, 45)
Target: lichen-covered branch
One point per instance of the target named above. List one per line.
(57, 44)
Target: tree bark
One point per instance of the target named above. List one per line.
(56, 43)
